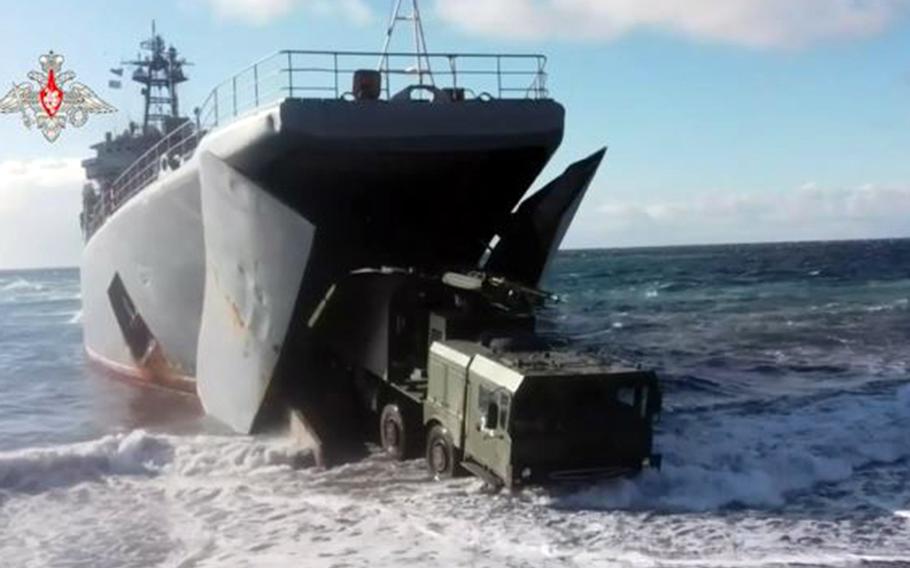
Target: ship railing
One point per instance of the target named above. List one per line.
(324, 75)
(166, 154)
(329, 74)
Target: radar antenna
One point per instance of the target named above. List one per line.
(159, 72)
(422, 64)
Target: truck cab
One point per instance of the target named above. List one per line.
(515, 418)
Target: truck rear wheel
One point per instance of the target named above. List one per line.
(393, 432)
(442, 457)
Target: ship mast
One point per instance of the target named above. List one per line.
(422, 63)
(159, 72)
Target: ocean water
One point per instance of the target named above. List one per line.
(786, 436)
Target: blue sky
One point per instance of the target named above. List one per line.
(727, 120)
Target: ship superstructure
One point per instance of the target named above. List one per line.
(159, 70)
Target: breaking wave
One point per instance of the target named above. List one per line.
(140, 453)
(713, 460)
(21, 284)
(37, 469)
(716, 460)
(229, 500)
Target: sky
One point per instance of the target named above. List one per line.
(726, 120)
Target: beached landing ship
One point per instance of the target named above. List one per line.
(244, 254)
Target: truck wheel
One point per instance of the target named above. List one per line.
(393, 432)
(442, 457)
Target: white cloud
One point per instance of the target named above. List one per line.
(40, 201)
(42, 173)
(255, 11)
(753, 23)
(260, 12)
(806, 213)
(356, 11)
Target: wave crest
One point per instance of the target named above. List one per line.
(35, 470)
(21, 284)
(725, 459)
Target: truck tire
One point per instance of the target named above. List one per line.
(442, 457)
(393, 432)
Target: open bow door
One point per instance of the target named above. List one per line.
(535, 230)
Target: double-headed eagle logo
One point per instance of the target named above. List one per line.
(48, 105)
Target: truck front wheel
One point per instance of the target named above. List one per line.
(442, 457)
(393, 432)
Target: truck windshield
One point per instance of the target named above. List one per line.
(576, 406)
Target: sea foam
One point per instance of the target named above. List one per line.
(37, 469)
(144, 499)
(727, 458)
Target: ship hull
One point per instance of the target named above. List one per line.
(154, 245)
(206, 279)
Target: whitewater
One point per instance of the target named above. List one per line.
(786, 436)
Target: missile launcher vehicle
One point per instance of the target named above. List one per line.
(462, 378)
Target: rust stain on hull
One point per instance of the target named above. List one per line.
(156, 374)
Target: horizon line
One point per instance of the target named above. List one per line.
(583, 248)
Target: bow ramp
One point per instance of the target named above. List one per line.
(257, 250)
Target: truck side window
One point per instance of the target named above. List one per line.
(492, 418)
(486, 404)
(484, 397)
(504, 400)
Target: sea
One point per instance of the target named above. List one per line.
(785, 435)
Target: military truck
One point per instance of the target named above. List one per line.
(536, 417)
(453, 369)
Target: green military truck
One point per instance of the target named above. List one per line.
(516, 418)
(453, 368)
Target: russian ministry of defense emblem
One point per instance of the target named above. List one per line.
(55, 99)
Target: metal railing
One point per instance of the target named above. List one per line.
(167, 154)
(322, 75)
(328, 74)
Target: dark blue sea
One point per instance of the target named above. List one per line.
(786, 435)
